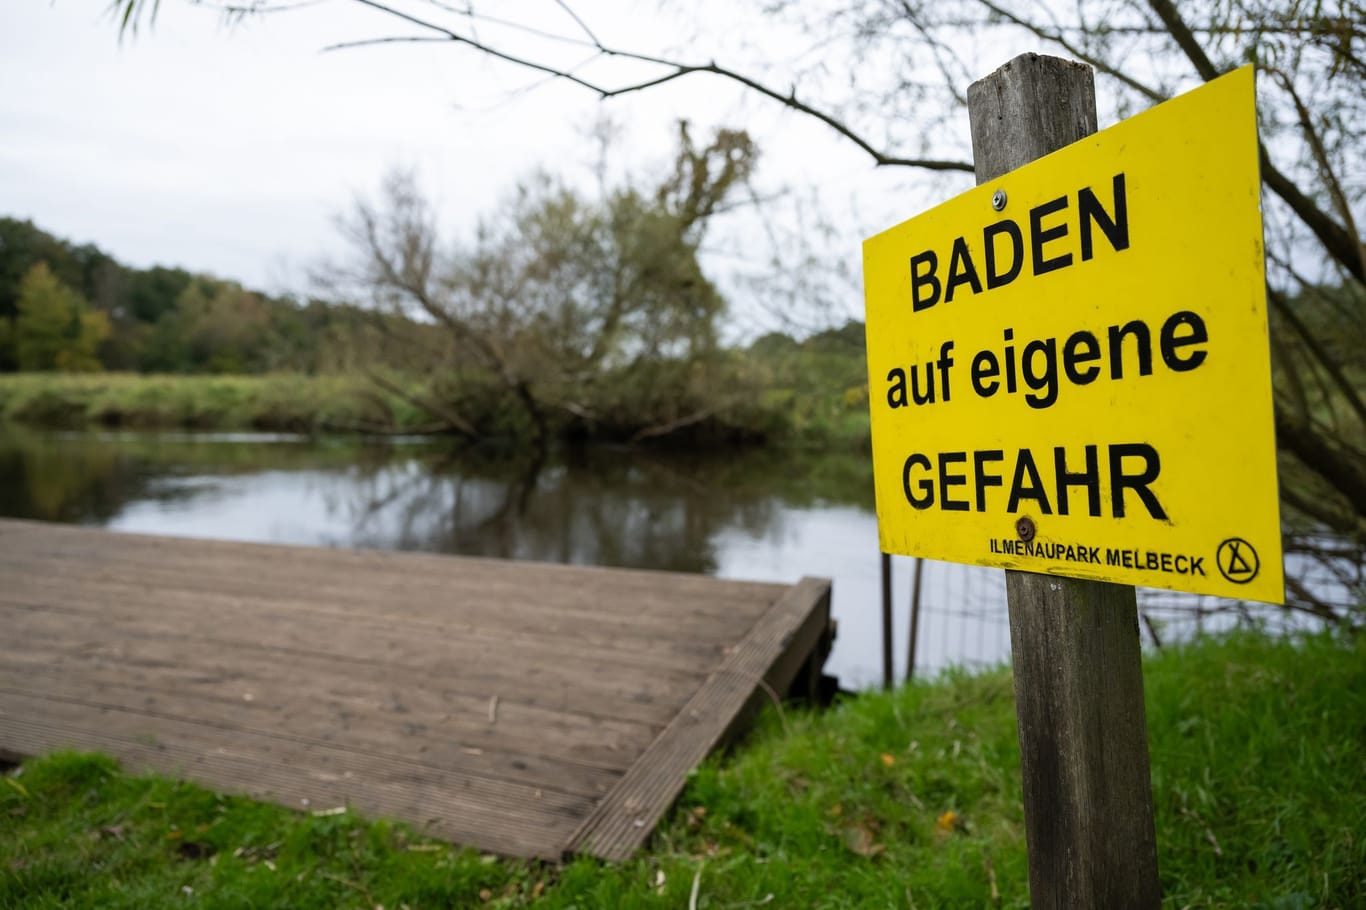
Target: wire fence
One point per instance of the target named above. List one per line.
(964, 622)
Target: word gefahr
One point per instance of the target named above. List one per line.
(1132, 467)
(1003, 247)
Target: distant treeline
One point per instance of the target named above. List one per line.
(73, 307)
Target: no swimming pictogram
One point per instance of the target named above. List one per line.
(1237, 560)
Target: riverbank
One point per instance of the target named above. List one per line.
(780, 415)
(910, 798)
(276, 402)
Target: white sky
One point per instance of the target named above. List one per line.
(227, 148)
(230, 149)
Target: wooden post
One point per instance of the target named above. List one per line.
(1076, 649)
(915, 619)
(886, 620)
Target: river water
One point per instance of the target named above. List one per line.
(758, 516)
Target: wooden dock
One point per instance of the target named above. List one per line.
(520, 708)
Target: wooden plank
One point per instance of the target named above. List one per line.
(625, 655)
(477, 573)
(796, 667)
(602, 683)
(206, 658)
(492, 703)
(573, 732)
(627, 816)
(1075, 644)
(514, 819)
(580, 610)
(445, 741)
(47, 635)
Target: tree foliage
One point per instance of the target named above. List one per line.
(54, 328)
(166, 319)
(559, 295)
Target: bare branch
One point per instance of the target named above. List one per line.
(677, 71)
(480, 46)
(453, 421)
(1316, 148)
(581, 24)
(1349, 392)
(941, 55)
(1317, 508)
(1181, 34)
(1075, 50)
(790, 100)
(1332, 235)
(469, 13)
(674, 426)
(1342, 470)
(392, 39)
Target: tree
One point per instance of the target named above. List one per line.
(213, 327)
(148, 294)
(54, 328)
(22, 246)
(224, 326)
(559, 296)
(125, 296)
(889, 75)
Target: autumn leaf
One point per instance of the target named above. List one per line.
(862, 839)
(949, 822)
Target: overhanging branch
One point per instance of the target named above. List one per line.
(675, 70)
(1334, 237)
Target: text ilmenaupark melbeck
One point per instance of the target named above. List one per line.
(1090, 350)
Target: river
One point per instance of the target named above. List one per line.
(757, 515)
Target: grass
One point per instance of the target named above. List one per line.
(799, 417)
(908, 799)
(282, 402)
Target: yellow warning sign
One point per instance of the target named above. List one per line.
(1083, 343)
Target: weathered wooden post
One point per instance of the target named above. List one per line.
(1075, 643)
(1069, 379)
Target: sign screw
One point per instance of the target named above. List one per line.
(998, 200)
(1025, 528)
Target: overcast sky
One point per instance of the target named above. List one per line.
(230, 149)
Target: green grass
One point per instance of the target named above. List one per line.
(303, 403)
(289, 402)
(1259, 774)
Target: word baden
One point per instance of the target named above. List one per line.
(1003, 247)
